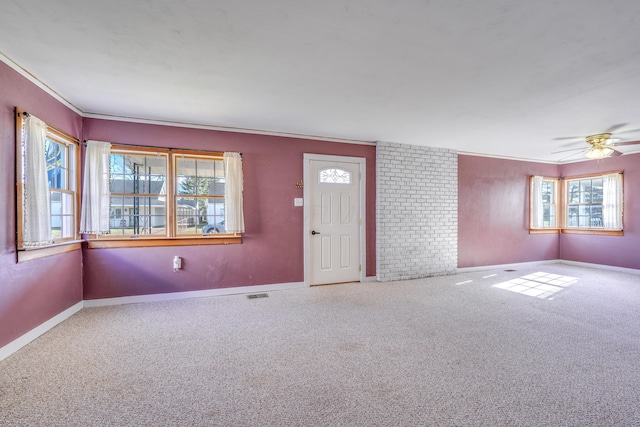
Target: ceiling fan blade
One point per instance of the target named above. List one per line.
(613, 128)
(566, 151)
(615, 153)
(571, 155)
(563, 138)
(618, 144)
(628, 131)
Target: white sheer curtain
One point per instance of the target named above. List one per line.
(95, 192)
(612, 201)
(537, 212)
(233, 215)
(36, 208)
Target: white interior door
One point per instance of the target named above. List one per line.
(333, 208)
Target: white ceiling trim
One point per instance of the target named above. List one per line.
(519, 159)
(227, 129)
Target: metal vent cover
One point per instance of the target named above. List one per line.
(254, 296)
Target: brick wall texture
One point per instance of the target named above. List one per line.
(416, 211)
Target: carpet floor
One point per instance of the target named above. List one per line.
(556, 345)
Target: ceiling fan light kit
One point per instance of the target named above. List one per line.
(599, 153)
(600, 146)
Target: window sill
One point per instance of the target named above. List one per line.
(593, 232)
(29, 254)
(544, 230)
(163, 241)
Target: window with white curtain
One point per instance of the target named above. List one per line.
(591, 204)
(47, 182)
(594, 202)
(544, 203)
(157, 194)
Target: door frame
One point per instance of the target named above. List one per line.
(306, 172)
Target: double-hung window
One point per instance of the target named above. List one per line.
(137, 186)
(199, 195)
(590, 204)
(166, 197)
(594, 203)
(47, 183)
(544, 203)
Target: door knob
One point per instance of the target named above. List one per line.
(315, 232)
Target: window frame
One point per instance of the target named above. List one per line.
(171, 237)
(589, 230)
(558, 205)
(57, 245)
(562, 188)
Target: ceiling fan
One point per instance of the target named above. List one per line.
(600, 146)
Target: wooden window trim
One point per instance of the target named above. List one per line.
(588, 231)
(30, 254)
(593, 231)
(163, 241)
(558, 204)
(562, 228)
(171, 238)
(544, 230)
(60, 137)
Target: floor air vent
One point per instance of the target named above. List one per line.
(254, 296)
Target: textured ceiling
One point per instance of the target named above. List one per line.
(494, 77)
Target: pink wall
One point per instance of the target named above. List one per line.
(32, 292)
(620, 251)
(493, 212)
(272, 248)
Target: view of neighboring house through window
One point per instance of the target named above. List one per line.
(199, 195)
(584, 203)
(147, 199)
(137, 184)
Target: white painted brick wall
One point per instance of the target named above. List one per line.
(416, 211)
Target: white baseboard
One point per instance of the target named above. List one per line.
(600, 266)
(370, 279)
(514, 266)
(192, 294)
(25, 339)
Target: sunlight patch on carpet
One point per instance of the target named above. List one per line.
(539, 285)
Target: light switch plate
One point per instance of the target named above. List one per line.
(297, 201)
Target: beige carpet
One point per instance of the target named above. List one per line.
(475, 349)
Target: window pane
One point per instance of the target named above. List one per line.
(574, 192)
(200, 177)
(584, 216)
(585, 191)
(549, 216)
(189, 214)
(547, 193)
(136, 215)
(596, 216)
(215, 216)
(67, 227)
(572, 216)
(596, 191)
(138, 174)
(56, 156)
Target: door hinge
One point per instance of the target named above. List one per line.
(359, 268)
